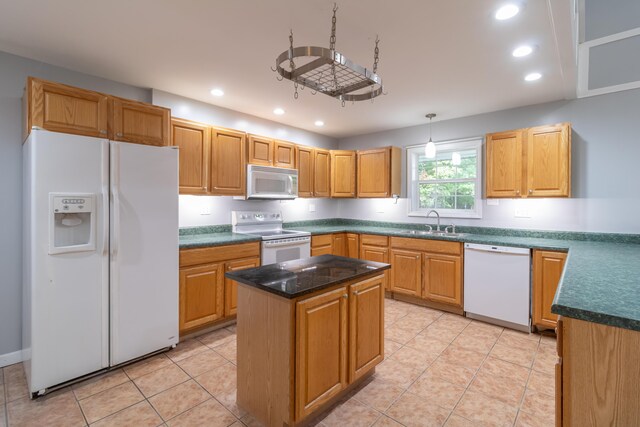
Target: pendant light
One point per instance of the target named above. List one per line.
(430, 148)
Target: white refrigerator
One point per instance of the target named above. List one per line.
(100, 273)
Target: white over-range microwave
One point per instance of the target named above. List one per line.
(266, 182)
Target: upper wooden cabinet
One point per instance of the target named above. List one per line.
(260, 150)
(379, 172)
(549, 161)
(533, 162)
(304, 160)
(139, 122)
(547, 270)
(343, 173)
(321, 173)
(61, 108)
(504, 164)
(228, 162)
(284, 154)
(193, 140)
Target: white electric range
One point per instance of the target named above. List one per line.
(278, 244)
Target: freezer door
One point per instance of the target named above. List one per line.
(144, 250)
(65, 300)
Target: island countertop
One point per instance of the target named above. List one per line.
(293, 279)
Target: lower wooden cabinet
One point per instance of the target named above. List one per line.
(547, 271)
(206, 297)
(321, 349)
(443, 278)
(322, 245)
(406, 274)
(366, 326)
(353, 245)
(370, 251)
(231, 287)
(339, 244)
(201, 295)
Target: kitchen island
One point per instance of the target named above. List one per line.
(308, 332)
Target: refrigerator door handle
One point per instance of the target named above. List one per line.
(115, 196)
(105, 198)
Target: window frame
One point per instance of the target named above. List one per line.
(414, 151)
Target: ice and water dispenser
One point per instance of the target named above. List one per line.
(72, 223)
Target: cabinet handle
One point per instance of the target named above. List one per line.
(345, 296)
(119, 134)
(103, 132)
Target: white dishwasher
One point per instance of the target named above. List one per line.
(497, 285)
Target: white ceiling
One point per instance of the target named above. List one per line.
(450, 57)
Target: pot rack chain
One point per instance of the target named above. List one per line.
(330, 72)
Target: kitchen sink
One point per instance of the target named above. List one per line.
(432, 233)
(416, 232)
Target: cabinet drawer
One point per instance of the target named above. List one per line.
(322, 240)
(373, 240)
(433, 246)
(218, 253)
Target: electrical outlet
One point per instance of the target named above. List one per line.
(522, 213)
(380, 209)
(205, 210)
(312, 208)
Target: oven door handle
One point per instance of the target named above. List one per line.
(284, 245)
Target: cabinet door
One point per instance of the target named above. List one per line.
(343, 173)
(304, 161)
(366, 326)
(140, 123)
(321, 173)
(504, 164)
(260, 150)
(377, 254)
(374, 167)
(406, 272)
(284, 155)
(548, 157)
(321, 350)
(201, 295)
(231, 286)
(353, 245)
(61, 108)
(443, 278)
(547, 270)
(193, 140)
(228, 163)
(339, 244)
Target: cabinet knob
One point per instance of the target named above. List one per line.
(517, 191)
(345, 296)
(530, 191)
(103, 132)
(119, 134)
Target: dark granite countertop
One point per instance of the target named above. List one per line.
(292, 279)
(601, 280)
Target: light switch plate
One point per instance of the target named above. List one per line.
(493, 202)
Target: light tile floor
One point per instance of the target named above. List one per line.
(440, 369)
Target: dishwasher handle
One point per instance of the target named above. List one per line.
(497, 249)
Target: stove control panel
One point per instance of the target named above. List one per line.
(255, 217)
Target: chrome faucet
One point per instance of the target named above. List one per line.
(437, 215)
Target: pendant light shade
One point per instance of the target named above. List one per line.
(430, 148)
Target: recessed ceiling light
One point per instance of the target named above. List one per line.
(507, 11)
(319, 123)
(521, 51)
(217, 92)
(278, 111)
(531, 77)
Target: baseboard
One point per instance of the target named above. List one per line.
(10, 358)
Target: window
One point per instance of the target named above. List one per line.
(449, 183)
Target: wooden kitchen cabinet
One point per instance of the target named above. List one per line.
(547, 270)
(504, 164)
(193, 140)
(322, 245)
(205, 296)
(406, 273)
(366, 326)
(61, 108)
(443, 278)
(138, 122)
(304, 161)
(284, 154)
(228, 160)
(379, 172)
(339, 244)
(321, 349)
(231, 287)
(353, 245)
(549, 161)
(321, 173)
(201, 295)
(343, 173)
(375, 248)
(260, 150)
(532, 162)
